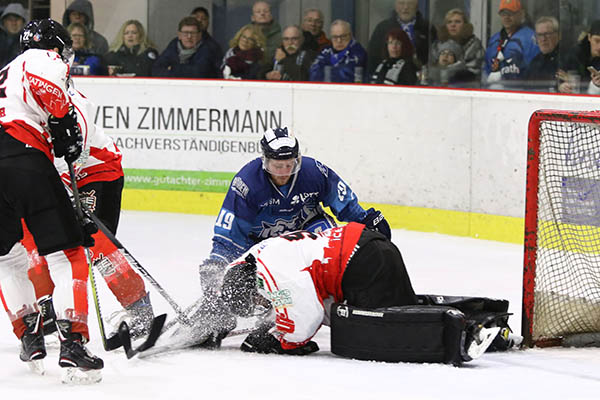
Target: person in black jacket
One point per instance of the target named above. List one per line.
(292, 60)
(131, 52)
(188, 55)
(541, 74)
(12, 20)
(202, 15)
(583, 61)
(397, 66)
(407, 17)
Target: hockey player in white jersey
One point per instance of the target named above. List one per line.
(295, 276)
(37, 124)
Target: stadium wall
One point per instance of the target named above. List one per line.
(433, 160)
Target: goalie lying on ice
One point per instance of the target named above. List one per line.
(375, 315)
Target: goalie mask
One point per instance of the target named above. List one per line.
(47, 34)
(239, 289)
(281, 153)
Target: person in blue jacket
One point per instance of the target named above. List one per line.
(281, 192)
(341, 58)
(188, 55)
(510, 51)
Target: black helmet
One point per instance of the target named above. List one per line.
(277, 144)
(47, 34)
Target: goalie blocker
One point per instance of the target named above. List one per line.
(440, 329)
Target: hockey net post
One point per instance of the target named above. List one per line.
(561, 267)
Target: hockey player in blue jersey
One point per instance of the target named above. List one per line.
(282, 192)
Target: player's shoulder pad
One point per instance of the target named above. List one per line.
(246, 178)
(315, 165)
(47, 76)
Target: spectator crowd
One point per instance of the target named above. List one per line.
(404, 49)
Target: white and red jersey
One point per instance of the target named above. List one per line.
(297, 272)
(33, 86)
(100, 159)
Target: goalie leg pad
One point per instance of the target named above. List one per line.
(433, 334)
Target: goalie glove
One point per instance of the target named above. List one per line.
(376, 222)
(66, 136)
(264, 343)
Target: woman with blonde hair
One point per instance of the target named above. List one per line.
(245, 58)
(131, 52)
(458, 28)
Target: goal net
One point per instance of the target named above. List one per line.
(561, 272)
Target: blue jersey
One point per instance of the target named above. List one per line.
(518, 51)
(255, 208)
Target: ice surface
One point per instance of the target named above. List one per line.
(171, 246)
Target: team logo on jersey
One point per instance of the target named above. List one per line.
(281, 298)
(302, 197)
(322, 168)
(239, 187)
(278, 227)
(342, 311)
(104, 265)
(88, 199)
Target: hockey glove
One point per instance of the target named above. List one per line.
(265, 343)
(376, 222)
(66, 136)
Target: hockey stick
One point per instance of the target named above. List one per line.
(114, 341)
(155, 331)
(143, 271)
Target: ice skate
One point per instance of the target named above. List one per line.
(477, 340)
(46, 308)
(33, 349)
(80, 366)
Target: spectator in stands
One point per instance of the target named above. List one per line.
(458, 28)
(312, 26)
(245, 57)
(81, 11)
(261, 17)
(541, 74)
(449, 68)
(131, 52)
(344, 61)
(202, 15)
(407, 17)
(510, 51)
(292, 60)
(188, 55)
(397, 67)
(12, 20)
(90, 62)
(584, 62)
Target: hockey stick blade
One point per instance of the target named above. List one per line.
(155, 331)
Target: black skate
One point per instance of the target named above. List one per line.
(141, 316)
(48, 315)
(80, 366)
(33, 349)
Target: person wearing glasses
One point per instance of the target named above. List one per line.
(292, 59)
(312, 27)
(510, 51)
(245, 58)
(188, 55)
(344, 61)
(541, 74)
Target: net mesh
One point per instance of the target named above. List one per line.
(567, 280)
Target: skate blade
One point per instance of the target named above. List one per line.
(486, 337)
(36, 366)
(78, 376)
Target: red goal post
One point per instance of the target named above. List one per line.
(561, 268)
